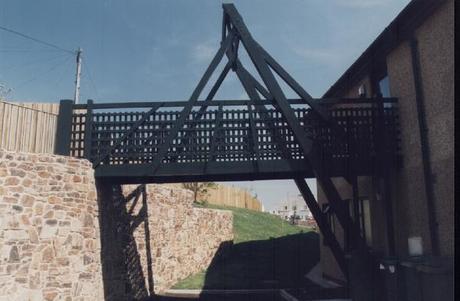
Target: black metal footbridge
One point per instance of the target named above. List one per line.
(267, 136)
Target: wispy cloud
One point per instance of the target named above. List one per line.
(363, 3)
(316, 55)
(203, 51)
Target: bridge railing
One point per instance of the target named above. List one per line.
(121, 133)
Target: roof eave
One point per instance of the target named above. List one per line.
(399, 30)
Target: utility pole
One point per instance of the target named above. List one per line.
(77, 76)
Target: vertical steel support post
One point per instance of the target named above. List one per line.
(64, 128)
(355, 200)
(323, 224)
(384, 168)
(88, 129)
(425, 148)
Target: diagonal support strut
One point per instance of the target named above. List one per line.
(192, 101)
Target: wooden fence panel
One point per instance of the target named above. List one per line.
(28, 127)
(232, 196)
(225, 195)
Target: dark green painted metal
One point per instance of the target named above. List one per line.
(64, 126)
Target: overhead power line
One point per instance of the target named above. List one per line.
(29, 63)
(29, 50)
(77, 53)
(91, 79)
(36, 40)
(58, 64)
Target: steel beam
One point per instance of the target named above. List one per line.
(335, 200)
(64, 126)
(215, 171)
(188, 108)
(272, 85)
(384, 168)
(88, 129)
(120, 140)
(249, 84)
(250, 89)
(205, 104)
(291, 82)
(215, 137)
(326, 102)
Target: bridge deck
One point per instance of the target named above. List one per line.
(231, 140)
(225, 171)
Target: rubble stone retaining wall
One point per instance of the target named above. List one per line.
(165, 239)
(49, 230)
(58, 242)
(183, 239)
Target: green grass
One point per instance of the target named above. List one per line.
(254, 225)
(267, 252)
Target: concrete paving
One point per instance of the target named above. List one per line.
(316, 276)
(226, 296)
(321, 290)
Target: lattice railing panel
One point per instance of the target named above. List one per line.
(226, 136)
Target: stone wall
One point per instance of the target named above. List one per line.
(49, 230)
(166, 239)
(183, 239)
(54, 232)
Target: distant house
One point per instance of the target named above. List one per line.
(293, 207)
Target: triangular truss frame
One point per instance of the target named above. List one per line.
(235, 34)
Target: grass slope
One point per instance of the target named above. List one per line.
(254, 225)
(267, 252)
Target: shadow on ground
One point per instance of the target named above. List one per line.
(122, 272)
(226, 297)
(264, 264)
(261, 265)
(253, 265)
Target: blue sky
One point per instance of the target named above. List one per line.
(157, 50)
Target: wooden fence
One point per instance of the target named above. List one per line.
(227, 196)
(232, 196)
(28, 127)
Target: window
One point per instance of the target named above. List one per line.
(361, 213)
(384, 86)
(294, 207)
(330, 219)
(362, 91)
(366, 212)
(285, 207)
